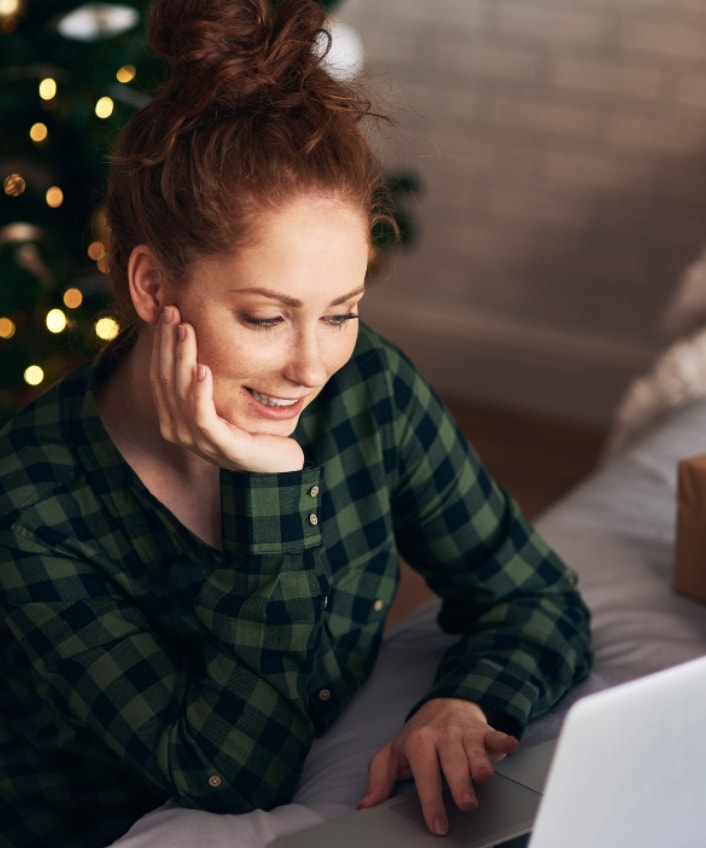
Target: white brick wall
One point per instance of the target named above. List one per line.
(562, 149)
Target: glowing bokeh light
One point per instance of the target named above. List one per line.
(47, 89)
(54, 197)
(105, 107)
(56, 321)
(96, 251)
(106, 328)
(38, 132)
(34, 375)
(14, 185)
(73, 298)
(9, 7)
(7, 328)
(126, 74)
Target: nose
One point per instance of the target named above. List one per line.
(306, 364)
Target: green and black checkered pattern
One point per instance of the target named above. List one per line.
(139, 664)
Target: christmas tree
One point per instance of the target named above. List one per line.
(72, 74)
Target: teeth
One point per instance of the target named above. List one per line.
(272, 401)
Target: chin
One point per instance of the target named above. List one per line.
(257, 426)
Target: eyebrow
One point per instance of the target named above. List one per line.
(293, 301)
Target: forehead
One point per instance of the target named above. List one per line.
(307, 246)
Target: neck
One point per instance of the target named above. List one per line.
(186, 484)
(128, 412)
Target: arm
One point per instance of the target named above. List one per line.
(524, 629)
(524, 638)
(215, 714)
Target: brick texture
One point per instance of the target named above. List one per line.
(562, 151)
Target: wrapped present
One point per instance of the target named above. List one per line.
(690, 550)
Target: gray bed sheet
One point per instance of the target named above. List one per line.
(616, 530)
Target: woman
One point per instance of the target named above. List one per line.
(201, 531)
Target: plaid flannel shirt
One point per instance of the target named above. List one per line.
(139, 664)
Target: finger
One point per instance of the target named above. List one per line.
(424, 765)
(204, 409)
(483, 752)
(185, 366)
(162, 371)
(499, 744)
(480, 766)
(456, 767)
(382, 776)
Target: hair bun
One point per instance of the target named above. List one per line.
(226, 51)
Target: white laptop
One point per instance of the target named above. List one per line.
(629, 770)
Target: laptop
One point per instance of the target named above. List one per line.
(627, 770)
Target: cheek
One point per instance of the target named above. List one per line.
(239, 356)
(345, 347)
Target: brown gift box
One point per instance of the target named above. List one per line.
(690, 554)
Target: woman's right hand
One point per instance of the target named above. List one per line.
(182, 389)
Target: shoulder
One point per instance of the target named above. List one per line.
(380, 388)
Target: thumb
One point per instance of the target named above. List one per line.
(382, 776)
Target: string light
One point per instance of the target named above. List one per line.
(47, 89)
(105, 107)
(7, 328)
(54, 197)
(126, 74)
(98, 20)
(73, 298)
(96, 251)
(106, 328)
(38, 133)
(56, 321)
(14, 185)
(8, 8)
(34, 375)
(9, 12)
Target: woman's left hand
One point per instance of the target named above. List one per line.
(446, 738)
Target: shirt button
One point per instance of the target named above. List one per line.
(313, 519)
(324, 694)
(214, 781)
(378, 605)
(314, 492)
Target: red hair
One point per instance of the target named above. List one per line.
(249, 119)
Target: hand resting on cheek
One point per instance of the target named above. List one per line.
(182, 389)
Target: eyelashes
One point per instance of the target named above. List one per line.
(338, 321)
(341, 320)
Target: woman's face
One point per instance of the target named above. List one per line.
(275, 321)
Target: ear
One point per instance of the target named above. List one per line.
(147, 281)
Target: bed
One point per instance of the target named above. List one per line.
(616, 529)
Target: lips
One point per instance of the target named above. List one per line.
(272, 406)
(268, 400)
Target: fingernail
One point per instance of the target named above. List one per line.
(168, 315)
(469, 802)
(181, 332)
(201, 373)
(439, 826)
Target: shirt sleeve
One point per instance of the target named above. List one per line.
(524, 629)
(218, 718)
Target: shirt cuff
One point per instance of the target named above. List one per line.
(271, 513)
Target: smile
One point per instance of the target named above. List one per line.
(268, 400)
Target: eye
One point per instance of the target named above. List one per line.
(260, 323)
(340, 320)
